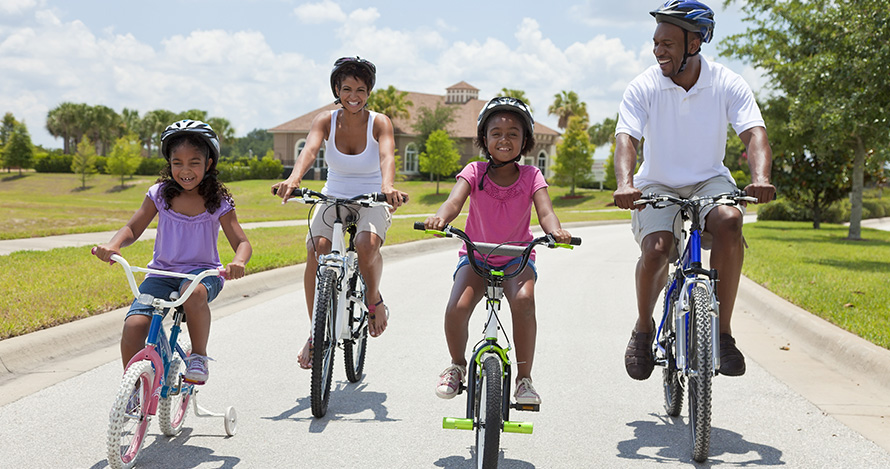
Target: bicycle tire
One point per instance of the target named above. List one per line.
(488, 413)
(355, 347)
(172, 410)
(670, 376)
(699, 382)
(126, 431)
(323, 342)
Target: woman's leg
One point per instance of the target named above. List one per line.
(320, 246)
(370, 264)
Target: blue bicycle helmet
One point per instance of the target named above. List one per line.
(690, 15)
(187, 126)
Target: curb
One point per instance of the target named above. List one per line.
(843, 351)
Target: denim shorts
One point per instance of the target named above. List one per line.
(161, 287)
(464, 260)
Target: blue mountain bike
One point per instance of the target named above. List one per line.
(687, 344)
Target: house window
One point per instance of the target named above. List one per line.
(542, 162)
(411, 160)
(319, 159)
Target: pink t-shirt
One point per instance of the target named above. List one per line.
(185, 243)
(498, 214)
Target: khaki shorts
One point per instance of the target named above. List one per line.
(375, 220)
(650, 220)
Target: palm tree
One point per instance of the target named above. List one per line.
(65, 121)
(390, 102)
(566, 104)
(518, 94)
(153, 125)
(223, 129)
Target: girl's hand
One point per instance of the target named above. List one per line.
(104, 252)
(394, 196)
(434, 223)
(234, 270)
(562, 236)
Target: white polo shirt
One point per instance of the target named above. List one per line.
(685, 132)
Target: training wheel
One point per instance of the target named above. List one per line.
(231, 421)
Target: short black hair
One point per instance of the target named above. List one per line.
(356, 71)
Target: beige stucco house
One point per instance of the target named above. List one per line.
(290, 137)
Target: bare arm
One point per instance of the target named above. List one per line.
(318, 132)
(625, 164)
(130, 232)
(760, 162)
(238, 240)
(547, 217)
(386, 142)
(452, 206)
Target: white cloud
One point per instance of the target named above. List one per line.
(321, 12)
(15, 7)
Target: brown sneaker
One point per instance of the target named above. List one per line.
(732, 362)
(638, 359)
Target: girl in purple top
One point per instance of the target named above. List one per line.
(192, 205)
(501, 195)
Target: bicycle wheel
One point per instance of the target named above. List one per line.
(702, 370)
(323, 344)
(355, 347)
(127, 426)
(673, 390)
(488, 413)
(173, 409)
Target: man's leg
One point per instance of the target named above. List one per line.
(651, 275)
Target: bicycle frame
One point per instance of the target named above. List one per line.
(157, 348)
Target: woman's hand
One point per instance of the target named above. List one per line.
(284, 189)
(394, 196)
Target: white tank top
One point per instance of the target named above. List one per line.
(352, 175)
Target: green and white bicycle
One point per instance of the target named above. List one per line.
(489, 375)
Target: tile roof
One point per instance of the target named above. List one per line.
(463, 126)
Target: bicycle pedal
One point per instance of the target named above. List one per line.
(526, 407)
(519, 427)
(453, 423)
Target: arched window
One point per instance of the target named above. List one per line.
(542, 162)
(319, 159)
(411, 158)
(298, 148)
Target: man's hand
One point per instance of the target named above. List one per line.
(626, 195)
(763, 192)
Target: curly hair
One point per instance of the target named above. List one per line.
(528, 136)
(210, 188)
(355, 71)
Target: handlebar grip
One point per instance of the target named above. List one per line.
(379, 197)
(575, 241)
(298, 192)
(418, 225)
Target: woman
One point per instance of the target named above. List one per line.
(360, 154)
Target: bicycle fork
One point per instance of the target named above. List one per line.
(682, 318)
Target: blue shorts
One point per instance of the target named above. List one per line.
(162, 287)
(464, 260)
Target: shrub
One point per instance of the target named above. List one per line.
(52, 163)
(151, 166)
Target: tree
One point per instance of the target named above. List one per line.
(825, 56)
(518, 94)
(7, 127)
(18, 151)
(430, 120)
(565, 105)
(441, 157)
(390, 102)
(124, 159)
(68, 122)
(84, 161)
(604, 132)
(574, 155)
(223, 129)
(154, 123)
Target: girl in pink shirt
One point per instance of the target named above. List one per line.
(501, 195)
(191, 205)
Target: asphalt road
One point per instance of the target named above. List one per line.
(592, 414)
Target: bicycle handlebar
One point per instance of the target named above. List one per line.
(309, 196)
(160, 302)
(503, 249)
(726, 198)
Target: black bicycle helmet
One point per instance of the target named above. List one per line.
(689, 15)
(343, 62)
(187, 126)
(504, 104)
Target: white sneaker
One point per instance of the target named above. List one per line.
(450, 381)
(525, 393)
(197, 372)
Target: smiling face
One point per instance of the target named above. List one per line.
(503, 136)
(668, 47)
(188, 165)
(353, 93)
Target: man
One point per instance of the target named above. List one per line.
(682, 107)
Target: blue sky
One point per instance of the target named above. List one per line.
(262, 63)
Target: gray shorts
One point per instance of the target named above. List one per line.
(650, 220)
(375, 220)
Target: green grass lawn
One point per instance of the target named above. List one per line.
(845, 282)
